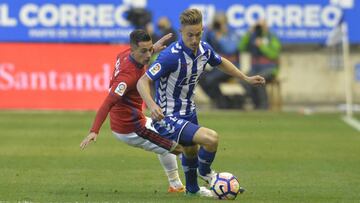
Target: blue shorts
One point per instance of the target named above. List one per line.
(180, 129)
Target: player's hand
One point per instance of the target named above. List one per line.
(91, 137)
(256, 80)
(178, 149)
(156, 113)
(159, 45)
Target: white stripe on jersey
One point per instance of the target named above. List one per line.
(185, 88)
(199, 62)
(171, 82)
(201, 48)
(167, 101)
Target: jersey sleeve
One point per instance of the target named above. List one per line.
(122, 84)
(214, 58)
(102, 112)
(166, 62)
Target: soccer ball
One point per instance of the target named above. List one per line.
(225, 186)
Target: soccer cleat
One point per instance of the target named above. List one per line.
(208, 177)
(241, 190)
(203, 192)
(176, 190)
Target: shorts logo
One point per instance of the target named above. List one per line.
(155, 69)
(179, 122)
(120, 89)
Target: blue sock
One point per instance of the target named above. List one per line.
(205, 160)
(190, 167)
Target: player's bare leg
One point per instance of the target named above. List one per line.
(208, 140)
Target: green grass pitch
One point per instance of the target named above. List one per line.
(278, 157)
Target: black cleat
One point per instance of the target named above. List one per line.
(242, 190)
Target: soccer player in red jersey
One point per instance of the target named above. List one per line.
(124, 103)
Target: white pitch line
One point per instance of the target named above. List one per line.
(352, 122)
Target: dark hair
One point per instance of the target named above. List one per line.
(137, 36)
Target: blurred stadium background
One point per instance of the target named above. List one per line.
(55, 65)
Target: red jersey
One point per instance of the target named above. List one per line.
(123, 101)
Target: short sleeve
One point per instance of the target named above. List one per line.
(122, 84)
(166, 63)
(215, 58)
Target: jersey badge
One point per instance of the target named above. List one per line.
(155, 69)
(120, 89)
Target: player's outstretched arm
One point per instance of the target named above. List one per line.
(229, 68)
(91, 137)
(143, 87)
(99, 119)
(159, 45)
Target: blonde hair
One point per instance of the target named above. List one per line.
(191, 16)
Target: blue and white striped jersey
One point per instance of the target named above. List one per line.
(176, 72)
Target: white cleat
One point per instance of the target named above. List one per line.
(203, 192)
(208, 177)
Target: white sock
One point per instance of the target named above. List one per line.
(169, 163)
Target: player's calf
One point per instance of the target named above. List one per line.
(207, 152)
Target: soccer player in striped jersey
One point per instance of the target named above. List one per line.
(124, 103)
(176, 72)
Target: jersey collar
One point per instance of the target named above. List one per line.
(137, 64)
(188, 51)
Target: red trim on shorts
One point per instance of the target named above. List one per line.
(155, 138)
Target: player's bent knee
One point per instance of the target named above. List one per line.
(207, 138)
(211, 140)
(213, 137)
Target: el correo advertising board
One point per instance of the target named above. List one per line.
(307, 21)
